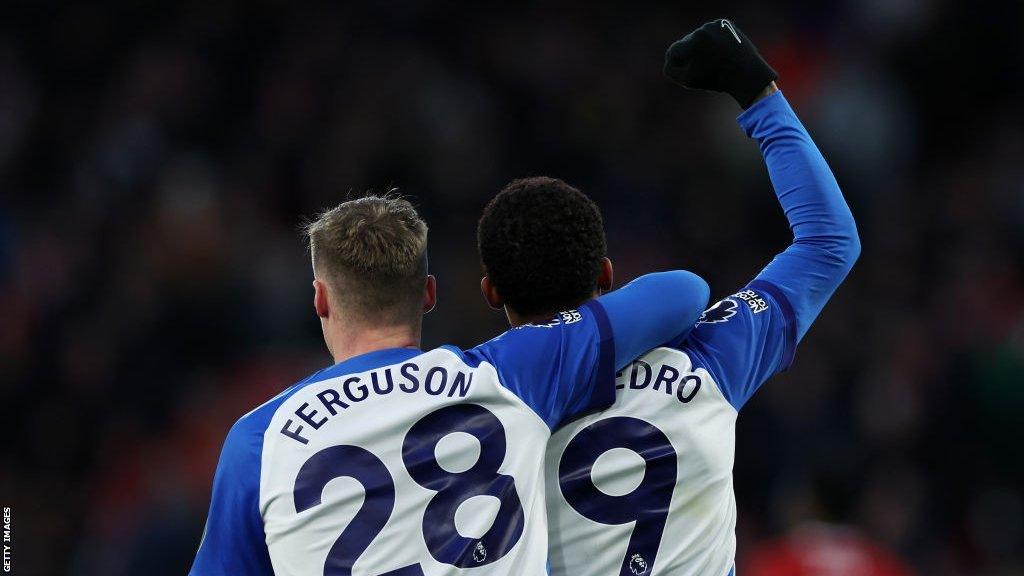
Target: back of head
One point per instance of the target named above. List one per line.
(372, 254)
(541, 242)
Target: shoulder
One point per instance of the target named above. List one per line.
(743, 340)
(758, 314)
(244, 441)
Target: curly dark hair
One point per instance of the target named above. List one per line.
(541, 242)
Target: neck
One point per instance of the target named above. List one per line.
(515, 319)
(345, 342)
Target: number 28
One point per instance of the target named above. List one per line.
(443, 541)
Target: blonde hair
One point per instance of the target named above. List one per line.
(372, 252)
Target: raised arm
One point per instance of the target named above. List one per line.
(718, 56)
(746, 338)
(825, 242)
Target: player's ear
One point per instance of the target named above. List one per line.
(605, 277)
(490, 292)
(321, 303)
(430, 294)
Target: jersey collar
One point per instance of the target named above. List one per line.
(369, 361)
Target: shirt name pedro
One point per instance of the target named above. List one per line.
(661, 377)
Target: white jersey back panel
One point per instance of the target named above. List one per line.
(679, 518)
(645, 487)
(364, 455)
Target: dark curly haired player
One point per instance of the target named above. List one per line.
(543, 242)
(645, 487)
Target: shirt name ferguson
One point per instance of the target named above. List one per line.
(354, 389)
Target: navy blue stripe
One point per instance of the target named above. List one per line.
(603, 394)
(789, 347)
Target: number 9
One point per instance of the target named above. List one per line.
(647, 505)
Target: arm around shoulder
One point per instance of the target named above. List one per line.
(652, 310)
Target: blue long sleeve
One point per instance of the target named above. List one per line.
(652, 310)
(825, 242)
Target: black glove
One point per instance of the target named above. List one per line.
(719, 57)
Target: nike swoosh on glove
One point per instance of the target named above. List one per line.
(719, 57)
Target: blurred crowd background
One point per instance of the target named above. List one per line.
(157, 159)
